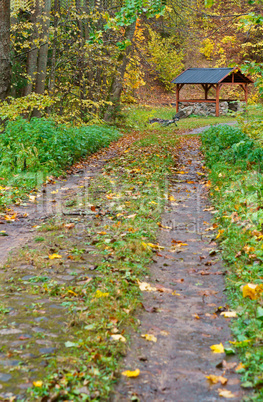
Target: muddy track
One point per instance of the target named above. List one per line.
(173, 369)
(187, 322)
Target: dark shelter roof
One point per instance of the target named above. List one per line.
(209, 76)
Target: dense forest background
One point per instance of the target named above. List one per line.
(78, 60)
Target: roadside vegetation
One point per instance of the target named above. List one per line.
(33, 151)
(234, 157)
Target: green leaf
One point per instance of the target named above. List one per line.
(260, 313)
(70, 344)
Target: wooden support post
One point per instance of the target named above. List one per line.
(206, 91)
(177, 97)
(217, 99)
(246, 92)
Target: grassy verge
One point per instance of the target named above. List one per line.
(236, 162)
(31, 151)
(127, 200)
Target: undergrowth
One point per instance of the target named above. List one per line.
(235, 162)
(31, 151)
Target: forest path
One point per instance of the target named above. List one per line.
(35, 326)
(187, 322)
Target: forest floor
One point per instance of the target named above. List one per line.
(136, 213)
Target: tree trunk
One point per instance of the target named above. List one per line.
(117, 81)
(43, 50)
(54, 47)
(33, 52)
(5, 66)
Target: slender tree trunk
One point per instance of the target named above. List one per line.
(117, 81)
(43, 50)
(54, 47)
(33, 52)
(5, 66)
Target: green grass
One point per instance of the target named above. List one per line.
(137, 118)
(235, 163)
(130, 193)
(31, 151)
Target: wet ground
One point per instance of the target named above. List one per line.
(186, 322)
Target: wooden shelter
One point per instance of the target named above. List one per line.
(210, 78)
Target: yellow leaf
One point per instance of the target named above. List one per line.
(32, 198)
(181, 172)
(130, 374)
(217, 348)
(54, 256)
(38, 383)
(214, 379)
(146, 287)
(54, 192)
(171, 198)
(99, 294)
(150, 338)
(155, 246)
(118, 337)
(252, 291)
(73, 293)
(164, 333)
(225, 393)
(219, 233)
(229, 314)
(240, 366)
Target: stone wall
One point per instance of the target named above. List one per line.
(209, 109)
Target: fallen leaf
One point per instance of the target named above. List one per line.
(225, 393)
(214, 379)
(72, 293)
(131, 216)
(164, 333)
(228, 365)
(171, 198)
(38, 383)
(69, 225)
(99, 294)
(162, 289)
(220, 232)
(118, 337)
(11, 217)
(229, 314)
(217, 348)
(54, 256)
(146, 287)
(70, 344)
(131, 374)
(252, 291)
(196, 316)
(155, 246)
(150, 338)
(240, 366)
